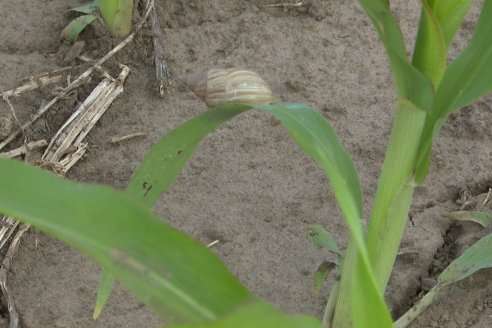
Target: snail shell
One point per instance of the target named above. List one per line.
(220, 86)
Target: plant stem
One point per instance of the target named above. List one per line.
(418, 308)
(391, 206)
(342, 317)
(395, 191)
(330, 305)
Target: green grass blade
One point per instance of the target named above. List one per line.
(309, 129)
(320, 237)
(478, 256)
(368, 307)
(429, 55)
(482, 218)
(117, 15)
(466, 79)
(411, 84)
(72, 30)
(162, 164)
(450, 15)
(318, 140)
(87, 8)
(167, 157)
(173, 274)
(320, 275)
(103, 292)
(257, 315)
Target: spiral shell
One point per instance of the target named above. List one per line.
(220, 86)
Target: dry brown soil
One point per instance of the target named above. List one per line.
(249, 185)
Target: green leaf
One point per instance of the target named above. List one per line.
(449, 14)
(318, 140)
(321, 274)
(411, 84)
(368, 307)
(117, 15)
(429, 55)
(309, 129)
(478, 256)
(103, 292)
(87, 8)
(173, 274)
(322, 238)
(73, 29)
(167, 157)
(468, 78)
(482, 218)
(160, 167)
(257, 315)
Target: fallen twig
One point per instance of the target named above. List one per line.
(128, 137)
(215, 242)
(37, 82)
(85, 117)
(24, 149)
(59, 155)
(162, 71)
(285, 5)
(82, 78)
(4, 269)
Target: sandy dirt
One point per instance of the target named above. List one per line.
(248, 185)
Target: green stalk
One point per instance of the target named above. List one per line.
(395, 191)
(330, 305)
(418, 308)
(391, 206)
(117, 15)
(342, 316)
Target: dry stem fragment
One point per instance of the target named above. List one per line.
(24, 149)
(128, 137)
(82, 78)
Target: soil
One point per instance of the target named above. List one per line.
(248, 185)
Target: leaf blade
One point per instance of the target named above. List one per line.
(450, 14)
(258, 315)
(410, 82)
(320, 237)
(430, 53)
(466, 79)
(476, 257)
(75, 27)
(482, 218)
(145, 254)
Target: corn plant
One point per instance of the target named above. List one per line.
(185, 283)
(116, 14)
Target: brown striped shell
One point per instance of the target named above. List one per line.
(220, 86)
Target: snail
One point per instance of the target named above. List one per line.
(220, 86)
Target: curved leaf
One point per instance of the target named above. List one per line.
(72, 30)
(173, 274)
(164, 161)
(476, 257)
(87, 8)
(410, 82)
(321, 274)
(117, 15)
(320, 237)
(482, 218)
(468, 78)
(429, 55)
(258, 315)
(308, 128)
(450, 14)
